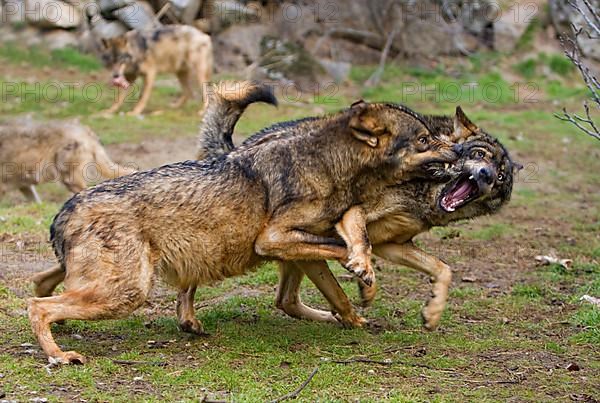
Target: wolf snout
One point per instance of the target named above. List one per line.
(485, 174)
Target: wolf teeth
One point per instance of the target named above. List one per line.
(471, 177)
(446, 165)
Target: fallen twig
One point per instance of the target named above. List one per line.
(590, 299)
(365, 360)
(128, 362)
(548, 260)
(294, 394)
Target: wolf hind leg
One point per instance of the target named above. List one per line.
(288, 295)
(86, 299)
(185, 312)
(185, 80)
(46, 281)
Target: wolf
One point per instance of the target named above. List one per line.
(33, 152)
(479, 183)
(197, 222)
(179, 49)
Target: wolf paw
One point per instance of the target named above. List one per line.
(193, 327)
(351, 320)
(69, 357)
(362, 268)
(367, 293)
(431, 320)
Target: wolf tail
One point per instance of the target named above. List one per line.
(226, 103)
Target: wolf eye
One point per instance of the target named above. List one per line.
(501, 177)
(422, 139)
(478, 154)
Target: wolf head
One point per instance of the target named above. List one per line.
(409, 143)
(481, 180)
(118, 55)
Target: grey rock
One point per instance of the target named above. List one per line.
(52, 14)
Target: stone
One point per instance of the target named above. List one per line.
(51, 14)
(60, 38)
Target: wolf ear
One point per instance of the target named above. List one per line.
(365, 125)
(463, 127)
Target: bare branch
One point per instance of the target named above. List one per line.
(594, 25)
(376, 76)
(570, 45)
(575, 121)
(294, 394)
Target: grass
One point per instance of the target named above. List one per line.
(510, 330)
(59, 58)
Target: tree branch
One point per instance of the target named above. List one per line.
(294, 394)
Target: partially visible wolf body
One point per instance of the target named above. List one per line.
(33, 152)
(479, 183)
(197, 222)
(179, 49)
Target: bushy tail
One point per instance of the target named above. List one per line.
(226, 103)
(107, 167)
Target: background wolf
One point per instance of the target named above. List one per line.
(179, 49)
(33, 152)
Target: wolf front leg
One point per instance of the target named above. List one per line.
(285, 243)
(121, 96)
(30, 193)
(353, 230)
(149, 79)
(408, 254)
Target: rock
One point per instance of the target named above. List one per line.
(290, 62)
(12, 12)
(339, 71)
(108, 6)
(186, 10)
(60, 38)
(107, 29)
(239, 46)
(511, 25)
(138, 15)
(203, 24)
(29, 36)
(52, 14)
(230, 12)
(564, 16)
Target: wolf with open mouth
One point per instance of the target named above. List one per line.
(479, 183)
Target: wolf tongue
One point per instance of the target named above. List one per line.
(462, 191)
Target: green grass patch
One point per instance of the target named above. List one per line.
(527, 68)
(560, 65)
(38, 57)
(528, 291)
(526, 40)
(492, 231)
